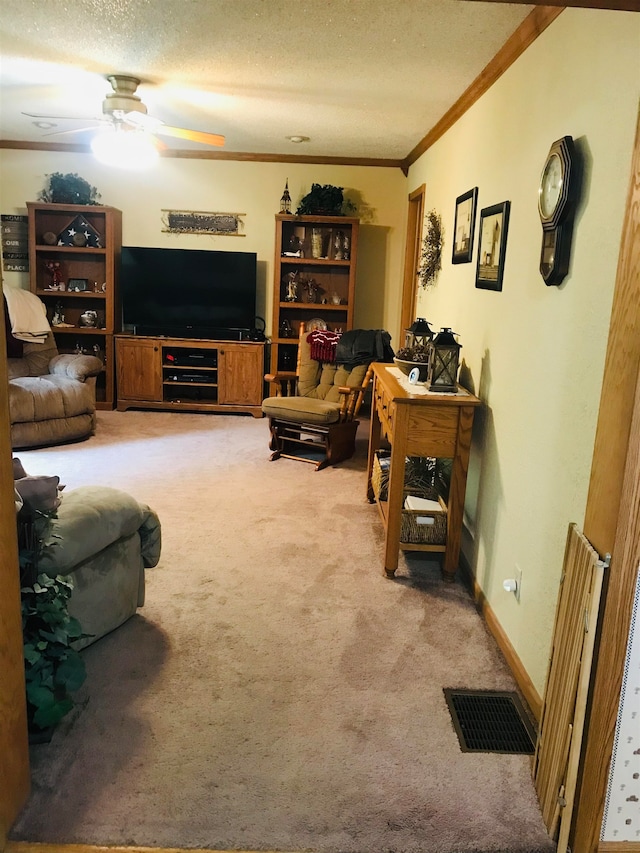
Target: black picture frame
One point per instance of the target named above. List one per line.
(464, 226)
(492, 245)
(78, 284)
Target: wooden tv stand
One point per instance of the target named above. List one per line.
(191, 375)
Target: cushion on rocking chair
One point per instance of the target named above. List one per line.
(302, 410)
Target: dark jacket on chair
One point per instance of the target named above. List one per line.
(362, 346)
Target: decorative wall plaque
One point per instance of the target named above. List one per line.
(15, 246)
(200, 222)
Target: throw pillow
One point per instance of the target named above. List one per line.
(39, 493)
(18, 470)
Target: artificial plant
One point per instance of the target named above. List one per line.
(53, 668)
(324, 200)
(431, 254)
(68, 189)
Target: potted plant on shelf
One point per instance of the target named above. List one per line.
(325, 200)
(68, 189)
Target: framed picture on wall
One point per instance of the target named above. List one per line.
(492, 237)
(464, 227)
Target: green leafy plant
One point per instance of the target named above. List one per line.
(324, 200)
(68, 189)
(431, 254)
(53, 669)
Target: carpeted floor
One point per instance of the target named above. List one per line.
(276, 691)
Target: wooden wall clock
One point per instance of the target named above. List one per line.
(557, 196)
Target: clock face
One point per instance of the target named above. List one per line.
(550, 186)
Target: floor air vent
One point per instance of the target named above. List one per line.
(490, 721)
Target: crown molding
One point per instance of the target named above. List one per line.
(533, 25)
(76, 148)
(612, 5)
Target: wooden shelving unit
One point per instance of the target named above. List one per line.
(322, 250)
(96, 266)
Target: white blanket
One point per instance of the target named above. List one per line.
(27, 315)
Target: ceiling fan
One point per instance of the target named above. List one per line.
(124, 110)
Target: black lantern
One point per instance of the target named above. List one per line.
(444, 354)
(418, 335)
(285, 201)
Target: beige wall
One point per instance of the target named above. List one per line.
(535, 354)
(250, 188)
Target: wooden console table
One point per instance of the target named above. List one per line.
(419, 423)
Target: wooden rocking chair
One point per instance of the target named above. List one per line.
(313, 416)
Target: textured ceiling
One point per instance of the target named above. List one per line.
(360, 78)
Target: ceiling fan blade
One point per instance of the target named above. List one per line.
(70, 118)
(191, 135)
(69, 132)
(142, 121)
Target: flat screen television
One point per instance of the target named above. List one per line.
(188, 293)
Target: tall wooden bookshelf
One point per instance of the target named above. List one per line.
(317, 254)
(85, 241)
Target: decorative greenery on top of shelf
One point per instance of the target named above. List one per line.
(431, 255)
(325, 200)
(68, 189)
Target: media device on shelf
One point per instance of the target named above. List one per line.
(188, 293)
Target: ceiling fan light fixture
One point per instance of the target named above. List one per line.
(125, 149)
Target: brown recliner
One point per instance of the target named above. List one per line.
(52, 397)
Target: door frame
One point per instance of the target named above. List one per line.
(415, 222)
(14, 745)
(612, 521)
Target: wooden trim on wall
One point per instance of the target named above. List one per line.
(528, 31)
(14, 748)
(622, 363)
(614, 636)
(415, 218)
(619, 847)
(612, 517)
(525, 685)
(74, 148)
(612, 5)
(38, 847)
